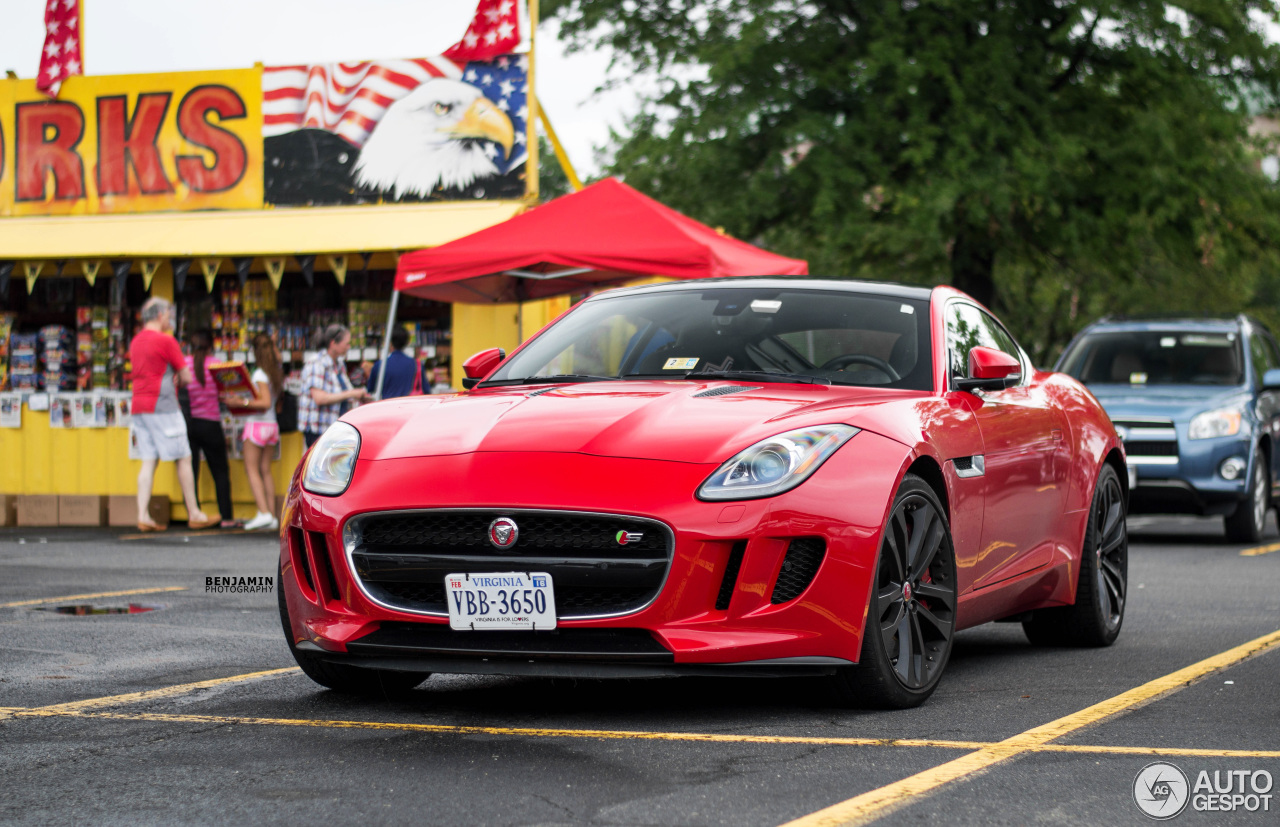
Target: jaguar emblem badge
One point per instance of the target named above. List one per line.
(626, 537)
(503, 532)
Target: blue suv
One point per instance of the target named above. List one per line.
(1197, 402)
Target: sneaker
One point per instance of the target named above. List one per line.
(260, 521)
(275, 524)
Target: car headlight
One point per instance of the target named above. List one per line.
(1224, 422)
(776, 464)
(332, 460)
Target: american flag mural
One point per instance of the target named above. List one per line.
(451, 126)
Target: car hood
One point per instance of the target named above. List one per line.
(1176, 402)
(646, 420)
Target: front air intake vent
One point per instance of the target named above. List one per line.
(804, 556)
(731, 575)
(723, 391)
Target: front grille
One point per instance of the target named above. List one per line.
(799, 567)
(402, 558)
(1151, 449)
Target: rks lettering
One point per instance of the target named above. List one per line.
(50, 160)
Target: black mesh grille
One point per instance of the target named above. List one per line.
(799, 567)
(1151, 449)
(963, 463)
(575, 535)
(722, 391)
(599, 564)
(731, 575)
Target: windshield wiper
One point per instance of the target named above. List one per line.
(547, 380)
(757, 376)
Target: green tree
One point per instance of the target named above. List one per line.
(1055, 159)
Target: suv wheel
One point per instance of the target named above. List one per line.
(1250, 518)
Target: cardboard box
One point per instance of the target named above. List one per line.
(8, 509)
(82, 510)
(122, 511)
(37, 510)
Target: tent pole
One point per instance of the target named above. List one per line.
(386, 344)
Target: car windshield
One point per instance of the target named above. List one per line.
(760, 334)
(1157, 357)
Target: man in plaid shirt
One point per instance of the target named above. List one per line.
(325, 387)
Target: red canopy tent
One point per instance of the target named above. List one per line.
(604, 234)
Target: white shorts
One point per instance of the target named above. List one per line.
(161, 436)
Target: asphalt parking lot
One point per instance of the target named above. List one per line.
(192, 712)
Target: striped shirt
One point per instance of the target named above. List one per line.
(322, 374)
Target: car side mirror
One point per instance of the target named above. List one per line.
(1271, 380)
(990, 370)
(480, 365)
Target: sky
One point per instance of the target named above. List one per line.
(135, 36)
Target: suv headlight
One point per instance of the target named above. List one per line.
(332, 460)
(1224, 422)
(776, 464)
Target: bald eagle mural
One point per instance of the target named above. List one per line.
(396, 131)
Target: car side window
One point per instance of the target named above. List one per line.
(1263, 360)
(967, 328)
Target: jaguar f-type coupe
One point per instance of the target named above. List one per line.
(747, 477)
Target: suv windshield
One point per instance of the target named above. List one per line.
(1154, 357)
(764, 334)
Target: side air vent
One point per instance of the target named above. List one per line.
(540, 392)
(724, 390)
(804, 556)
(731, 575)
(324, 565)
(298, 549)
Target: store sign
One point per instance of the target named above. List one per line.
(345, 133)
(132, 143)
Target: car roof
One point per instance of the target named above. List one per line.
(1173, 323)
(875, 288)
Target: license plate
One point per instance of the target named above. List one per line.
(502, 600)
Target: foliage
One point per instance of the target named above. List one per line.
(1056, 159)
(552, 181)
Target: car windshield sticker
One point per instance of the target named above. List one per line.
(1137, 379)
(680, 364)
(906, 308)
(766, 306)
(1208, 341)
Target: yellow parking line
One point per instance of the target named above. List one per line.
(152, 694)
(1260, 550)
(872, 805)
(91, 596)
(1174, 751)
(605, 734)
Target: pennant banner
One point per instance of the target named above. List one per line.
(90, 269)
(338, 264)
(149, 267)
(209, 266)
(275, 270)
(308, 265)
(32, 270)
(242, 265)
(181, 266)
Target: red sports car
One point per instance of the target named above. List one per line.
(748, 477)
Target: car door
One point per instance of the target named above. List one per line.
(1266, 356)
(1023, 459)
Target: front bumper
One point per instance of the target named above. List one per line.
(1189, 483)
(714, 609)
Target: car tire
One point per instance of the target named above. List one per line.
(1249, 521)
(1101, 593)
(350, 680)
(911, 607)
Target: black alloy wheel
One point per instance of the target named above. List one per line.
(912, 607)
(1249, 521)
(1101, 592)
